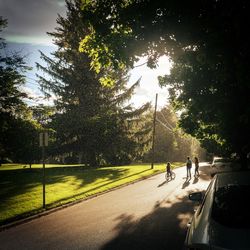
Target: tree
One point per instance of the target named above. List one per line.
(90, 119)
(207, 42)
(171, 143)
(22, 141)
(42, 113)
(214, 96)
(17, 131)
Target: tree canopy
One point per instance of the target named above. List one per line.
(18, 132)
(93, 123)
(208, 45)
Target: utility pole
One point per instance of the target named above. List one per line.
(153, 143)
(43, 150)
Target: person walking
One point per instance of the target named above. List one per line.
(189, 166)
(196, 164)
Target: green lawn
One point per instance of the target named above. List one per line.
(21, 187)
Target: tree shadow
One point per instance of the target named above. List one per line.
(100, 185)
(14, 183)
(18, 181)
(163, 228)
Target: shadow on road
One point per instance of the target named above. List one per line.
(205, 172)
(186, 183)
(196, 179)
(161, 229)
(160, 185)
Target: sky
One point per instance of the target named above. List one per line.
(28, 22)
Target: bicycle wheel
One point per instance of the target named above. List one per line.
(168, 177)
(173, 175)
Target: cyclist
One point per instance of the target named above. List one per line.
(168, 170)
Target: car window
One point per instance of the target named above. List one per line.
(222, 160)
(219, 160)
(231, 207)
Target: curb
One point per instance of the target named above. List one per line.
(52, 210)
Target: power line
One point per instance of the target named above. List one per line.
(165, 126)
(166, 120)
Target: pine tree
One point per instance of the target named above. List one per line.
(91, 120)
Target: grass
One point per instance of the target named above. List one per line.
(21, 187)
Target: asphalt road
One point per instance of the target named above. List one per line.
(149, 214)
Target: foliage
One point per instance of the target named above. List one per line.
(18, 134)
(208, 44)
(42, 113)
(171, 143)
(91, 120)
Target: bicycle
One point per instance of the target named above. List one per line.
(169, 176)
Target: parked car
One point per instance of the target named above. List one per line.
(220, 162)
(222, 220)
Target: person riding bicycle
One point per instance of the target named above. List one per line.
(168, 169)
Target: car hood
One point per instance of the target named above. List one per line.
(222, 237)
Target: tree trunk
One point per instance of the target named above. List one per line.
(92, 159)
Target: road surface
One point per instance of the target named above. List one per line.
(149, 214)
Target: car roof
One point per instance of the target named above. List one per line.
(232, 178)
(220, 158)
